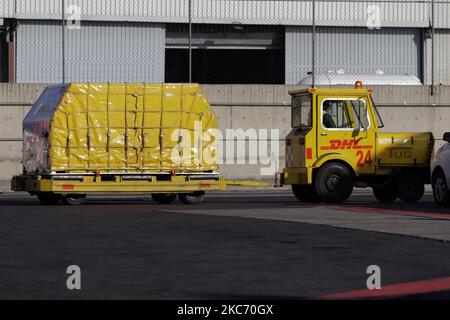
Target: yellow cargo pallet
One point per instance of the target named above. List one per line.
(118, 185)
(115, 127)
(121, 138)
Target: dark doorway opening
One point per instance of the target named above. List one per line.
(3, 55)
(231, 66)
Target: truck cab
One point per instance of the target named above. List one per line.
(336, 144)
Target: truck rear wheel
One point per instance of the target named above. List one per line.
(441, 193)
(74, 199)
(164, 198)
(385, 194)
(305, 193)
(49, 198)
(410, 187)
(334, 182)
(192, 198)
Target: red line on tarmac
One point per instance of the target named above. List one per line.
(395, 212)
(395, 290)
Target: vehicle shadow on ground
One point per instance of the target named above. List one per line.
(274, 202)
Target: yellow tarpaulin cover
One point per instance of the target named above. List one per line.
(120, 127)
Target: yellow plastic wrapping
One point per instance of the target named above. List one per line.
(120, 127)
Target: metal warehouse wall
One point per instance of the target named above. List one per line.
(287, 12)
(403, 108)
(441, 58)
(354, 50)
(98, 51)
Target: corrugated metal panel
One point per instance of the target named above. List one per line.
(442, 15)
(98, 52)
(38, 52)
(287, 12)
(354, 50)
(7, 8)
(441, 58)
(39, 8)
(131, 52)
(392, 14)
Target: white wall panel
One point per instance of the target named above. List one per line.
(353, 50)
(115, 52)
(288, 12)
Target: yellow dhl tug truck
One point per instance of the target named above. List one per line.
(336, 145)
(121, 138)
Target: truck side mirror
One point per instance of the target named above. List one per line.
(446, 137)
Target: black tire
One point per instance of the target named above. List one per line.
(74, 199)
(49, 198)
(334, 182)
(385, 194)
(192, 198)
(164, 198)
(410, 187)
(441, 193)
(305, 193)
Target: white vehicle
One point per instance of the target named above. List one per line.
(440, 173)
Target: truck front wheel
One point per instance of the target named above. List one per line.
(410, 187)
(305, 193)
(385, 194)
(334, 182)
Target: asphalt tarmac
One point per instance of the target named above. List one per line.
(235, 245)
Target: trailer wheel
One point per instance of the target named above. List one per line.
(192, 198)
(440, 190)
(385, 194)
(74, 199)
(49, 198)
(410, 187)
(305, 193)
(334, 182)
(164, 198)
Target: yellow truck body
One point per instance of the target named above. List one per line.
(371, 158)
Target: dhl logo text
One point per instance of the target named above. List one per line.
(345, 144)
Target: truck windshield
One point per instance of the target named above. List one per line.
(377, 114)
(360, 113)
(301, 115)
